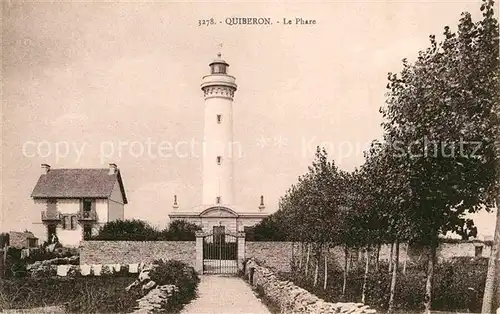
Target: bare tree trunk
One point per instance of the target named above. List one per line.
(377, 261)
(406, 259)
(394, 279)
(367, 265)
(307, 259)
(430, 275)
(493, 275)
(316, 273)
(326, 268)
(344, 285)
(301, 254)
(316, 269)
(4, 261)
(349, 261)
(391, 257)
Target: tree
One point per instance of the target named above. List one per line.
(127, 230)
(443, 104)
(383, 214)
(270, 228)
(488, 50)
(310, 210)
(180, 230)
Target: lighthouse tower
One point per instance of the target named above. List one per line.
(218, 210)
(218, 88)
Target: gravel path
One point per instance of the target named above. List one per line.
(223, 294)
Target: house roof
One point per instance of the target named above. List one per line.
(19, 234)
(77, 183)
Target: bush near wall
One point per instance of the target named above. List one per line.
(127, 230)
(138, 230)
(171, 284)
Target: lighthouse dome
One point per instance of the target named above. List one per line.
(218, 65)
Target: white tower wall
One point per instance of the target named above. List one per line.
(218, 88)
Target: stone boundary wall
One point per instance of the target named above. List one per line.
(279, 255)
(129, 252)
(275, 255)
(293, 299)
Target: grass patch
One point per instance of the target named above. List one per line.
(457, 288)
(78, 295)
(98, 294)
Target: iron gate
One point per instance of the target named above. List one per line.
(220, 254)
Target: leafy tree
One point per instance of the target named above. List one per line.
(4, 239)
(443, 104)
(271, 228)
(311, 210)
(127, 230)
(181, 230)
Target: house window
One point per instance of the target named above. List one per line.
(65, 222)
(32, 242)
(219, 118)
(478, 251)
(219, 160)
(87, 205)
(69, 222)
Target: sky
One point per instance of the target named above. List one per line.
(89, 83)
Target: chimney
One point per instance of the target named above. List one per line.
(175, 205)
(46, 168)
(262, 206)
(113, 169)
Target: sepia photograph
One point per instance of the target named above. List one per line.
(257, 157)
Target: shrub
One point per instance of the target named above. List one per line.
(180, 230)
(74, 271)
(123, 272)
(127, 230)
(44, 271)
(179, 274)
(268, 229)
(106, 270)
(18, 270)
(175, 273)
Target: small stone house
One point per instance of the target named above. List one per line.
(22, 240)
(74, 203)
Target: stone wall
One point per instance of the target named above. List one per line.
(128, 252)
(293, 299)
(276, 255)
(279, 255)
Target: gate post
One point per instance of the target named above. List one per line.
(241, 250)
(198, 266)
